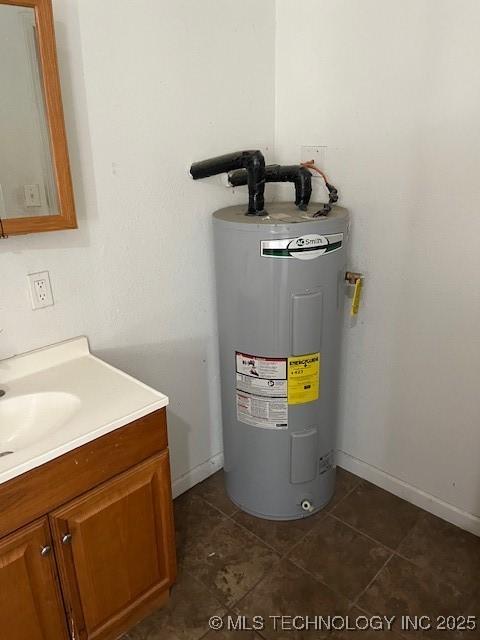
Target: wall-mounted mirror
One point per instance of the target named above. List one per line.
(35, 184)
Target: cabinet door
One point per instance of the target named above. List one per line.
(31, 606)
(115, 550)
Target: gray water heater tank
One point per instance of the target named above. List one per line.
(280, 290)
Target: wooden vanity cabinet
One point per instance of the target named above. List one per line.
(30, 601)
(101, 559)
(113, 549)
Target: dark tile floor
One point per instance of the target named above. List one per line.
(368, 553)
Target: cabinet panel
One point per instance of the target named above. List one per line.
(115, 549)
(43, 489)
(31, 606)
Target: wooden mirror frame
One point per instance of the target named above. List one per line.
(66, 218)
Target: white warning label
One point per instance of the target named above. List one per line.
(259, 411)
(262, 391)
(259, 367)
(261, 386)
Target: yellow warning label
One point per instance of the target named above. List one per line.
(303, 378)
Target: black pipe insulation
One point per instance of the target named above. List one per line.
(251, 161)
(300, 176)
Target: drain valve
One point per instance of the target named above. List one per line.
(307, 506)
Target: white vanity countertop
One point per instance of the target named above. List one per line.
(104, 398)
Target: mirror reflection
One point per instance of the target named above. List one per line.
(27, 181)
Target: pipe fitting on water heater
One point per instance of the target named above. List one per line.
(307, 506)
(252, 161)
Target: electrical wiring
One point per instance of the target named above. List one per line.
(332, 191)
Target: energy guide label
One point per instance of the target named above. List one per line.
(303, 378)
(261, 391)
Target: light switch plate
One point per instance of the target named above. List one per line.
(32, 195)
(40, 290)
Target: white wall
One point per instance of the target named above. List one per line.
(148, 86)
(393, 90)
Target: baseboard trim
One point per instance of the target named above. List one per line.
(376, 476)
(412, 494)
(197, 474)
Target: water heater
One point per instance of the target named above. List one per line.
(280, 288)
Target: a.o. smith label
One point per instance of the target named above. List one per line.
(305, 247)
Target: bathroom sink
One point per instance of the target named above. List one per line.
(62, 397)
(25, 419)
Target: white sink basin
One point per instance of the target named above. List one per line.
(28, 418)
(62, 397)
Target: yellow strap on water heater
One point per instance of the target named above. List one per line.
(356, 297)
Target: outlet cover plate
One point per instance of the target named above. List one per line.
(40, 290)
(32, 195)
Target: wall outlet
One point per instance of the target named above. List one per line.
(316, 153)
(40, 290)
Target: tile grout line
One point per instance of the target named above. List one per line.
(363, 609)
(284, 557)
(395, 551)
(363, 481)
(317, 579)
(348, 493)
(302, 539)
(264, 542)
(306, 572)
(228, 608)
(244, 528)
(437, 575)
(324, 515)
(362, 533)
(384, 565)
(222, 607)
(206, 586)
(266, 545)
